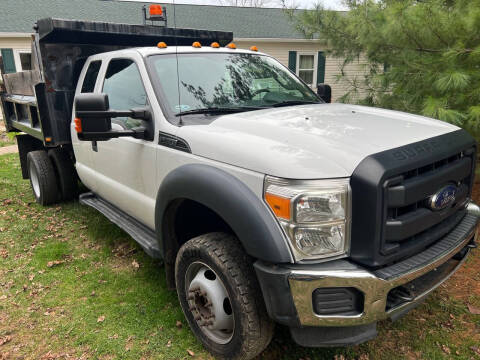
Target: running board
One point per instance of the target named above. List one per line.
(139, 232)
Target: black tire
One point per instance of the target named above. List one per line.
(222, 253)
(42, 177)
(66, 173)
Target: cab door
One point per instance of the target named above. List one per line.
(126, 167)
(84, 160)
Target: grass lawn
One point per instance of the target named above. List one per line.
(72, 285)
(5, 139)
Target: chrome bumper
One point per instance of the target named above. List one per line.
(375, 289)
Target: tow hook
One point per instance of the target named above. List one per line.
(472, 244)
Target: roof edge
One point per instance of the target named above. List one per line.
(15, 34)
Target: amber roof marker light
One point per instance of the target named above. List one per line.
(162, 45)
(197, 44)
(155, 10)
(231, 46)
(155, 13)
(215, 45)
(253, 48)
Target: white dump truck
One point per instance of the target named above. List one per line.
(267, 203)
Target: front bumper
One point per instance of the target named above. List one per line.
(288, 290)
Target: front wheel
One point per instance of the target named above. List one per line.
(221, 298)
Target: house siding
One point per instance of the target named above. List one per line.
(15, 42)
(280, 50)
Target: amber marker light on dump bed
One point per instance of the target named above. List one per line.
(156, 10)
(215, 45)
(78, 125)
(162, 45)
(231, 46)
(279, 205)
(197, 44)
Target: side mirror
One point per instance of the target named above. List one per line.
(93, 119)
(325, 92)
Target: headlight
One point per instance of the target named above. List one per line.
(315, 215)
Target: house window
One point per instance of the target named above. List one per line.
(23, 60)
(307, 68)
(26, 61)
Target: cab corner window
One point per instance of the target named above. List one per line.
(91, 77)
(124, 87)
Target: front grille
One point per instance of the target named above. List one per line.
(391, 219)
(409, 222)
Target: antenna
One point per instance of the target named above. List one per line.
(180, 121)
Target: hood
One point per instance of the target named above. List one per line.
(309, 141)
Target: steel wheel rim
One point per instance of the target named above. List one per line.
(209, 303)
(34, 181)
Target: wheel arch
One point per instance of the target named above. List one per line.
(240, 210)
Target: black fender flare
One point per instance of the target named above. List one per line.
(246, 214)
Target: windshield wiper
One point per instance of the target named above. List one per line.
(294, 102)
(216, 110)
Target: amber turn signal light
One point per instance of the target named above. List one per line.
(78, 125)
(279, 205)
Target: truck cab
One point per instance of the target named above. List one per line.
(266, 203)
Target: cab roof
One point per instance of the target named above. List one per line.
(147, 51)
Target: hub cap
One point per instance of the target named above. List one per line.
(209, 303)
(34, 180)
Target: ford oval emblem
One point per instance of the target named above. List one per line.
(443, 198)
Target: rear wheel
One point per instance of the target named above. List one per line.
(42, 177)
(66, 174)
(221, 298)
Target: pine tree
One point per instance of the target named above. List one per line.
(423, 55)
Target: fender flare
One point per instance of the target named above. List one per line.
(246, 214)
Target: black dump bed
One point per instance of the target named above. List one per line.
(39, 101)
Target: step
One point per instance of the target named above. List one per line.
(139, 232)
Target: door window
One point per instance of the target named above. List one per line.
(91, 77)
(124, 87)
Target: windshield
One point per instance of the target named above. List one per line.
(226, 81)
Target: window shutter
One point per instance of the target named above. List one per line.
(8, 61)
(292, 61)
(321, 68)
